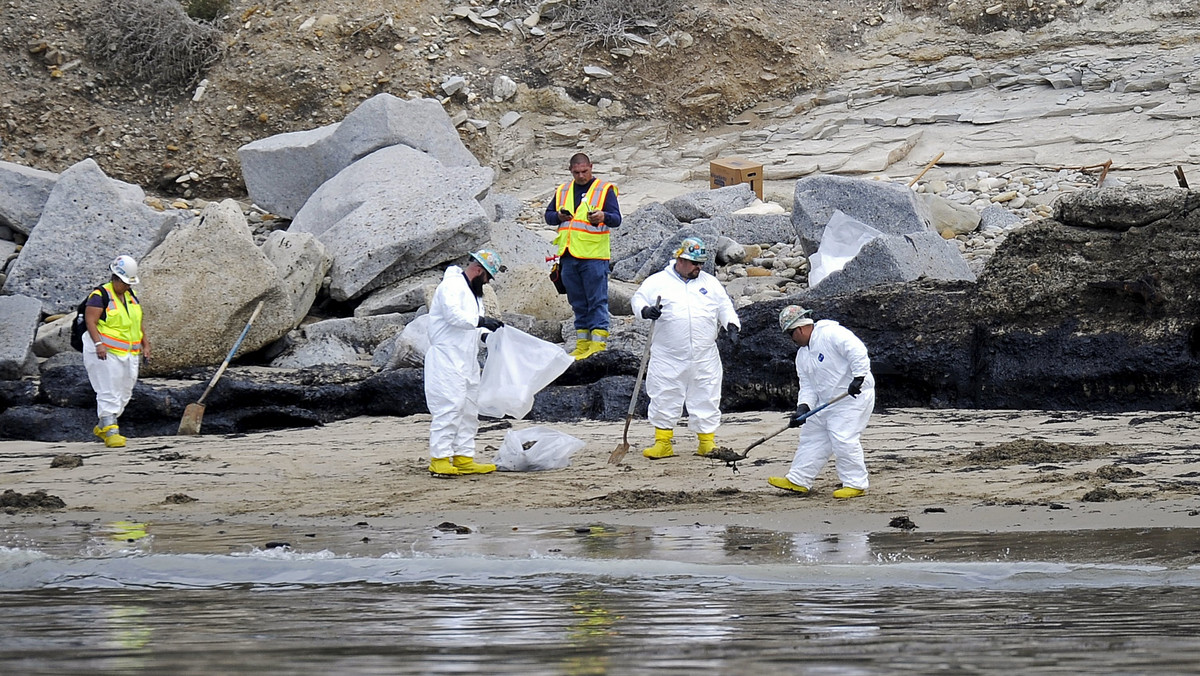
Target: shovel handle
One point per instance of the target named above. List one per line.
(800, 418)
(637, 384)
(232, 351)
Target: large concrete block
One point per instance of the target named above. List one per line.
(282, 171)
(88, 220)
(891, 208)
(301, 261)
(896, 258)
(200, 286)
(17, 331)
(379, 224)
(23, 193)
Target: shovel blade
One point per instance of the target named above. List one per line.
(190, 423)
(618, 453)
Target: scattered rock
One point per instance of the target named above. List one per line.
(13, 502)
(1102, 495)
(67, 461)
(178, 499)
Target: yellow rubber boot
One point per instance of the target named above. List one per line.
(442, 467)
(847, 492)
(99, 432)
(663, 445)
(582, 344)
(466, 465)
(599, 342)
(782, 482)
(707, 443)
(112, 436)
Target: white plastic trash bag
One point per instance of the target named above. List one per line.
(842, 239)
(547, 449)
(411, 345)
(518, 366)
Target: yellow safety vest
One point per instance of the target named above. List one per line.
(121, 328)
(581, 237)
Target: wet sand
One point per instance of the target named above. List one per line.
(946, 470)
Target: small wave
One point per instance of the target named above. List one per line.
(22, 569)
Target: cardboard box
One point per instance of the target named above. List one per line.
(725, 171)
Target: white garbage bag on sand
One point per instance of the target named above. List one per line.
(842, 239)
(518, 366)
(536, 449)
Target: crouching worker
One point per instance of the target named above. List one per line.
(113, 317)
(452, 365)
(831, 361)
(685, 366)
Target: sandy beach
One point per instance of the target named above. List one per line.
(947, 470)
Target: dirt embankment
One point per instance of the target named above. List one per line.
(288, 65)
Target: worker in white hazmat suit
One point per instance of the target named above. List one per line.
(685, 367)
(452, 365)
(831, 360)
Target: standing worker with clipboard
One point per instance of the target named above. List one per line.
(585, 209)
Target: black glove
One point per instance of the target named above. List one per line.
(489, 323)
(796, 420)
(651, 312)
(855, 386)
(731, 330)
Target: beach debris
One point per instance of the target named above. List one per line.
(902, 522)
(729, 456)
(278, 545)
(1102, 495)
(528, 445)
(1117, 473)
(934, 510)
(1181, 178)
(451, 527)
(1033, 451)
(927, 168)
(178, 499)
(12, 502)
(1056, 505)
(126, 531)
(67, 460)
(167, 457)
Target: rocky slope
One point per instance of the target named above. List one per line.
(289, 65)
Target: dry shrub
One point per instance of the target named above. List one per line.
(607, 21)
(151, 41)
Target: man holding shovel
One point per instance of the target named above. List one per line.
(452, 365)
(831, 361)
(685, 367)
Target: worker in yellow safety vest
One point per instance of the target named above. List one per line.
(585, 209)
(118, 342)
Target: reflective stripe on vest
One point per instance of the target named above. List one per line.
(121, 329)
(584, 239)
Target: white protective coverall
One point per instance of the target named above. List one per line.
(833, 357)
(112, 378)
(452, 367)
(685, 367)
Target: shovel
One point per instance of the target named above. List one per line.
(622, 448)
(194, 413)
(786, 427)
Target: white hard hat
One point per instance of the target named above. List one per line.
(125, 268)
